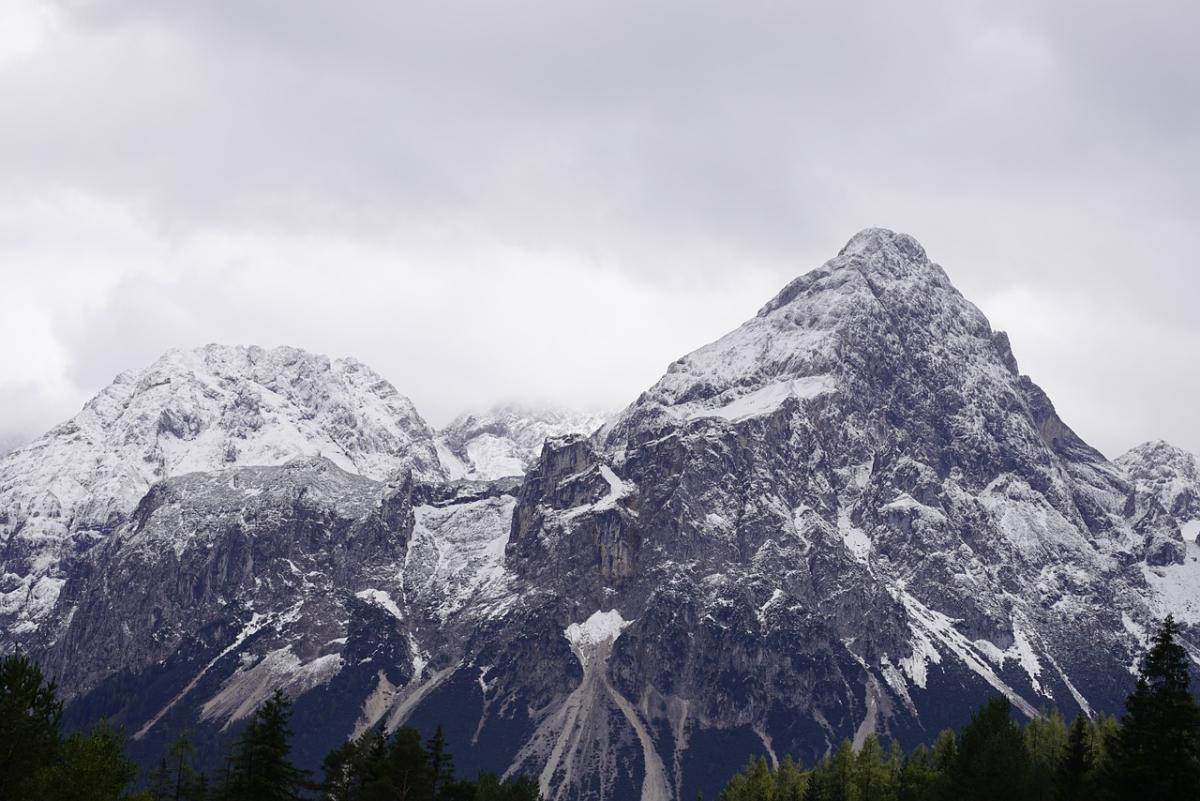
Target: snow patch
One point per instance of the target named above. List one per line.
(759, 402)
(855, 539)
(381, 599)
(1174, 587)
(601, 627)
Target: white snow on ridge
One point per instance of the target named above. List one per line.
(454, 467)
(1021, 651)
(1190, 530)
(505, 440)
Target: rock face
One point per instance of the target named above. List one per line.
(1168, 492)
(853, 514)
(506, 440)
(192, 410)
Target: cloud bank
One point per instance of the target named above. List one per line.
(549, 202)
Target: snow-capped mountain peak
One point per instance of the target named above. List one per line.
(192, 410)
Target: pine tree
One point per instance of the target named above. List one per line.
(1045, 739)
(1072, 780)
(90, 767)
(260, 768)
(158, 782)
(791, 781)
(872, 774)
(991, 764)
(843, 774)
(1156, 753)
(441, 764)
(919, 776)
(30, 713)
(408, 769)
(183, 777)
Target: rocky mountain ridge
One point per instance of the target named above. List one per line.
(192, 410)
(850, 515)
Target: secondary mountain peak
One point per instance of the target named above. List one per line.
(199, 409)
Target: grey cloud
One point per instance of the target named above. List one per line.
(1044, 146)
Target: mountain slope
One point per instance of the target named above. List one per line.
(192, 410)
(851, 515)
(505, 440)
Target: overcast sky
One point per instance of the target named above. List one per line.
(550, 201)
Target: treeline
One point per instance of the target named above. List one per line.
(39, 763)
(1151, 754)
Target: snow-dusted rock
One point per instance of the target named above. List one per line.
(506, 440)
(192, 410)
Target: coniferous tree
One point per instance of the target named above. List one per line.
(30, 713)
(441, 764)
(261, 768)
(1072, 781)
(1045, 738)
(918, 776)
(872, 774)
(791, 781)
(158, 782)
(1156, 752)
(408, 766)
(183, 781)
(991, 763)
(89, 767)
(843, 772)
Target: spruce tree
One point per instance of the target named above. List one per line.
(872, 774)
(991, 763)
(1072, 781)
(843, 785)
(441, 764)
(918, 776)
(261, 769)
(183, 779)
(30, 713)
(90, 767)
(1156, 753)
(790, 781)
(1045, 739)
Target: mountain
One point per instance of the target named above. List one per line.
(1168, 486)
(852, 514)
(505, 440)
(1171, 476)
(192, 410)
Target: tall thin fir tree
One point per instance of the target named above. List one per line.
(1155, 755)
(261, 767)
